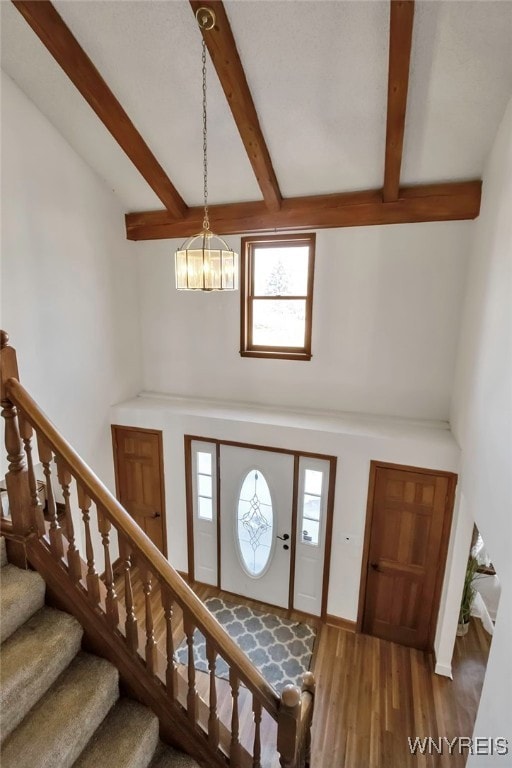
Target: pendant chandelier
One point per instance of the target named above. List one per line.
(205, 262)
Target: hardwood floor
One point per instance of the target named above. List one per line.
(371, 694)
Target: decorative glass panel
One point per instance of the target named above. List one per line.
(255, 523)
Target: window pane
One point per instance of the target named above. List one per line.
(204, 462)
(279, 323)
(281, 271)
(310, 532)
(205, 508)
(255, 560)
(313, 481)
(311, 508)
(255, 522)
(255, 484)
(204, 485)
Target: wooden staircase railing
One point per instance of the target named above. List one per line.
(95, 523)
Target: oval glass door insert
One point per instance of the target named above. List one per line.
(255, 523)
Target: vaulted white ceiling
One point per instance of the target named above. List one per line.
(317, 72)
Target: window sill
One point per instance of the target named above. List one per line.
(277, 355)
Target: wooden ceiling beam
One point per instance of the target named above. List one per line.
(429, 202)
(65, 49)
(400, 43)
(226, 60)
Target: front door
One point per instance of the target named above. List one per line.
(408, 527)
(256, 513)
(138, 461)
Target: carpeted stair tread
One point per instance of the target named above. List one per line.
(32, 658)
(167, 757)
(21, 595)
(3, 552)
(127, 737)
(57, 729)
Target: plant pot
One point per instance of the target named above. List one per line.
(462, 629)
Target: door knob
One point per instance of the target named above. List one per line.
(284, 537)
(375, 566)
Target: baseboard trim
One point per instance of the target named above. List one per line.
(444, 669)
(340, 623)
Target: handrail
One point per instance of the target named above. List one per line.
(109, 505)
(126, 636)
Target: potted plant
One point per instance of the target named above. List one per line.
(468, 595)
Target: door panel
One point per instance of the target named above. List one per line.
(138, 464)
(311, 535)
(204, 488)
(272, 586)
(406, 552)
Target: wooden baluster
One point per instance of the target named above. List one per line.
(234, 749)
(130, 626)
(171, 671)
(288, 726)
(256, 750)
(73, 556)
(55, 532)
(16, 479)
(213, 719)
(36, 506)
(308, 684)
(111, 606)
(92, 579)
(151, 648)
(188, 625)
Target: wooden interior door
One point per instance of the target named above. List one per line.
(408, 525)
(138, 462)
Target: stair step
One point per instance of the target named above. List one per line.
(57, 729)
(127, 737)
(32, 659)
(21, 596)
(3, 552)
(167, 757)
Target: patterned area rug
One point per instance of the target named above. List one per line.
(279, 648)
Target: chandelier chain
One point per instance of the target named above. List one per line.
(206, 222)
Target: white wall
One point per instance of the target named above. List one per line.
(386, 312)
(355, 441)
(482, 418)
(69, 281)
(456, 562)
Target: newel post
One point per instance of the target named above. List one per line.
(16, 479)
(308, 684)
(288, 723)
